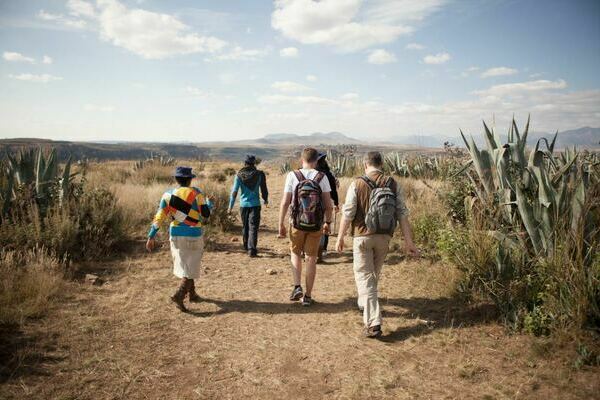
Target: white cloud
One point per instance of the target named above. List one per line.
(43, 78)
(349, 25)
(289, 52)
(550, 105)
(98, 108)
(298, 100)
(149, 34)
(289, 87)
(240, 54)
(381, 56)
(414, 46)
(62, 20)
(17, 57)
(311, 78)
(47, 60)
(511, 89)
(469, 71)
(498, 71)
(439, 58)
(195, 92)
(349, 96)
(80, 8)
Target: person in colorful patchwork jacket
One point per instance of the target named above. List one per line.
(188, 208)
(250, 181)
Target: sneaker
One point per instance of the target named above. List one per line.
(307, 301)
(373, 332)
(296, 293)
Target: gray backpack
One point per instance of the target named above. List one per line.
(381, 217)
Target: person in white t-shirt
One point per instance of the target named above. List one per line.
(310, 218)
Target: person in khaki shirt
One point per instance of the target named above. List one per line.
(370, 249)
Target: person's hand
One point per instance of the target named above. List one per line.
(150, 244)
(230, 211)
(336, 209)
(282, 232)
(412, 250)
(340, 244)
(326, 229)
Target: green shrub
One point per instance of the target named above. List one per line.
(219, 217)
(229, 171)
(217, 176)
(426, 230)
(88, 226)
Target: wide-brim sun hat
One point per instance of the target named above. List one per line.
(183, 172)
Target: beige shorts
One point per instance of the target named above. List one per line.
(303, 241)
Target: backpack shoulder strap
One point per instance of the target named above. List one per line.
(318, 177)
(368, 181)
(389, 182)
(299, 175)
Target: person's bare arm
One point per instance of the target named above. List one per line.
(326, 200)
(409, 245)
(348, 213)
(283, 210)
(344, 224)
(402, 216)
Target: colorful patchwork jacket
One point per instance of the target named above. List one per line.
(188, 209)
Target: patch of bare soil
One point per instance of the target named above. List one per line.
(125, 340)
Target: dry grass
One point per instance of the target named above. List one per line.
(29, 282)
(124, 340)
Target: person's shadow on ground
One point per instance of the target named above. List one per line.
(431, 314)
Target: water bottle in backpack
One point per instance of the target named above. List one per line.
(308, 212)
(381, 216)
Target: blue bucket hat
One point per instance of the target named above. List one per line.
(250, 159)
(321, 155)
(183, 172)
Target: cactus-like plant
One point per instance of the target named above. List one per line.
(534, 189)
(40, 171)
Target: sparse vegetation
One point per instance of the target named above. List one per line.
(109, 207)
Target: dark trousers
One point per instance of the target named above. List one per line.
(250, 224)
(324, 242)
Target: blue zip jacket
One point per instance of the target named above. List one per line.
(250, 181)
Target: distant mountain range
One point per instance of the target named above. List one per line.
(582, 137)
(271, 146)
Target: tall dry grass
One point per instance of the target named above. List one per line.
(29, 281)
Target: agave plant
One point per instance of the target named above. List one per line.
(533, 189)
(285, 167)
(154, 159)
(342, 164)
(34, 169)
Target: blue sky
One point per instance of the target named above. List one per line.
(223, 70)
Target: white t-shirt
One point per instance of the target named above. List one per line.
(291, 181)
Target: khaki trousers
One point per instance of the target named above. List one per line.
(369, 254)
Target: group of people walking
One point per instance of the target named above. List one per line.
(374, 206)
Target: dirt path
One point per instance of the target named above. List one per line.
(124, 340)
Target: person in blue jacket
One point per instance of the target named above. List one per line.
(250, 180)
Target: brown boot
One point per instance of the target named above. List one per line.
(192, 295)
(179, 295)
